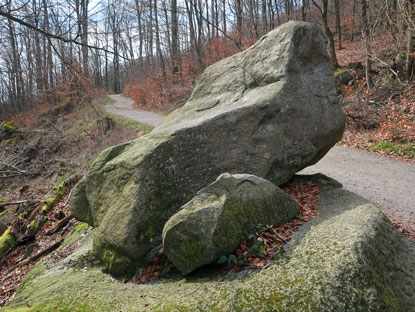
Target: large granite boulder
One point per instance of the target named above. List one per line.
(269, 111)
(216, 221)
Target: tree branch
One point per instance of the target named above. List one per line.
(53, 36)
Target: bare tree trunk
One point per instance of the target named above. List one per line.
(138, 10)
(239, 21)
(224, 17)
(338, 25)
(150, 31)
(304, 8)
(410, 51)
(328, 32)
(176, 64)
(49, 44)
(158, 46)
(366, 36)
(84, 35)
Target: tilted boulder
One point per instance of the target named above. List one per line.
(269, 111)
(216, 221)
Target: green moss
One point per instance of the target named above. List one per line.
(34, 225)
(401, 56)
(79, 228)
(386, 79)
(5, 212)
(76, 234)
(7, 241)
(64, 102)
(59, 191)
(49, 203)
(9, 127)
(338, 71)
(117, 263)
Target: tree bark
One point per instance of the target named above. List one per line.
(366, 36)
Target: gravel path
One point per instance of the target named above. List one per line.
(124, 107)
(388, 183)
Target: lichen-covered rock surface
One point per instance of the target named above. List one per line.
(350, 258)
(216, 221)
(268, 111)
(5, 217)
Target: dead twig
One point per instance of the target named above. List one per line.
(40, 254)
(13, 203)
(62, 223)
(388, 66)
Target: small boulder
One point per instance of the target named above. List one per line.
(344, 77)
(220, 217)
(5, 217)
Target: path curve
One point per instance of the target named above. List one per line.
(388, 183)
(124, 106)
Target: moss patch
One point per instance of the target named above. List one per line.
(76, 233)
(6, 241)
(9, 127)
(59, 192)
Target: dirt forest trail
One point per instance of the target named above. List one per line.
(388, 183)
(124, 107)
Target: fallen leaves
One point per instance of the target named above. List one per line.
(161, 265)
(18, 261)
(404, 225)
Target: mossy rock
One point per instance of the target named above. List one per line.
(7, 241)
(350, 258)
(9, 127)
(217, 220)
(344, 77)
(5, 217)
(76, 234)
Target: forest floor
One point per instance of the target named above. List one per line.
(39, 166)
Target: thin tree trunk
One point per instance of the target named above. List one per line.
(366, 36)
(158, 46)
(338, 25)
(176, 68)
(410, 57)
